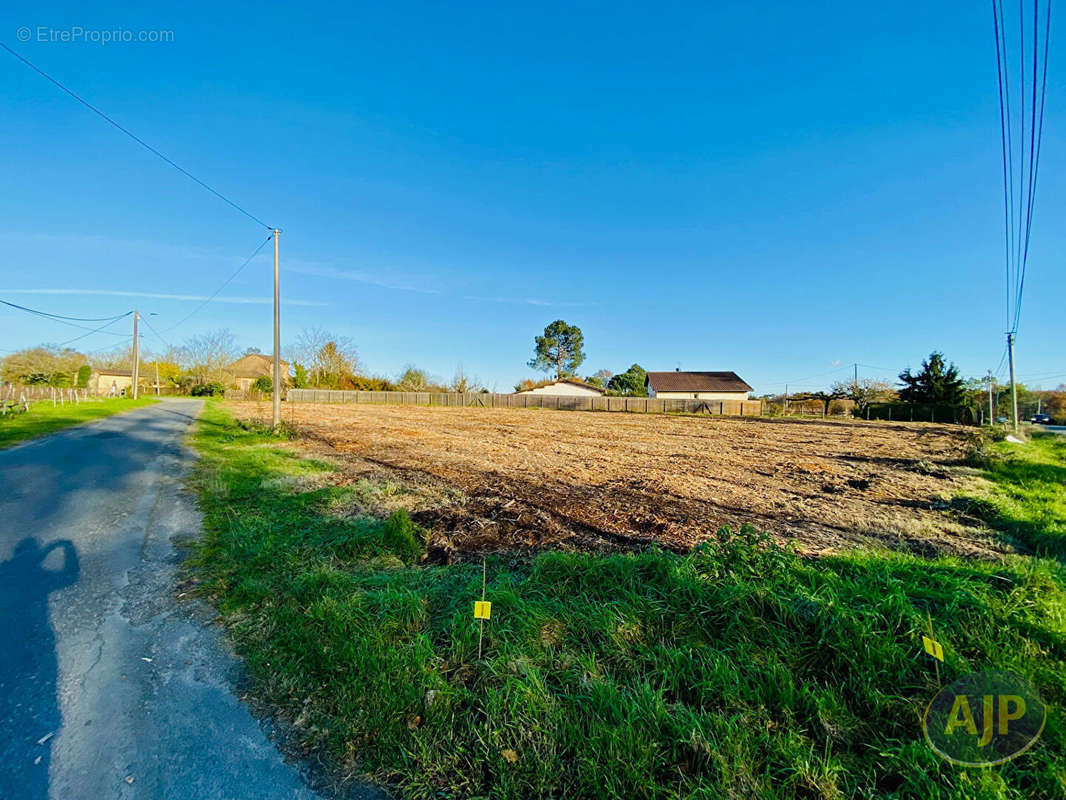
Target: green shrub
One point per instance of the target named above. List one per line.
(263, 384)
(214, 389)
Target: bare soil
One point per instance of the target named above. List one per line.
(484, 480)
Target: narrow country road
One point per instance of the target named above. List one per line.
(108, 687)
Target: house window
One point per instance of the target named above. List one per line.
(695, 395)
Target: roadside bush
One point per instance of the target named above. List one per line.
(214, 389)
(263, 384)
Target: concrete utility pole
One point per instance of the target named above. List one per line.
(277, 337)
(991, 413)
(136, 354)
(1013, 387)
(157, 377)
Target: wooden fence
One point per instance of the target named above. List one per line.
(643, 405)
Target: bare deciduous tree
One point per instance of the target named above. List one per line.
(329, 360)
(208, 354)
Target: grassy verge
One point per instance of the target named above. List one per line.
(739, 670)
(1028, 499)
(43, 418)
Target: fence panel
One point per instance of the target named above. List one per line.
(639, 405)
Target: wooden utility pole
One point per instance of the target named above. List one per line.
(1013, 386)
(277, 337)
(136, 354)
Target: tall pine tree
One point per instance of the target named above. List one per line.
(937, 383)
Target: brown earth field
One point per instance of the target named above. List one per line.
(518, 480)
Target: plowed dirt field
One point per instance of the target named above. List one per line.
(527, 479)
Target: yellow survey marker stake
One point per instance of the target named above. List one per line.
(933, 648)
(482, 609)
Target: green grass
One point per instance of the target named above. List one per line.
(43, 419)
(739, 670)
(1028, 501)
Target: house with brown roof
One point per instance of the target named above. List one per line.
(243, 372)
(565, 387)
(678, 385)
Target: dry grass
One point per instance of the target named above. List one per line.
(522, 479)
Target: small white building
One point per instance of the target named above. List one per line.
(679, 385)
(567, 387)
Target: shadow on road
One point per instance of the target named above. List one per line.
(29, 710)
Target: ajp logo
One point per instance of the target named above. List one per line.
(984, 718)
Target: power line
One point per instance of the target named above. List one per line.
(60, 316)
(63, 320)
(1019, 197)
(153, 330)
(135, 138)
(225, 283)
(1006, 144)
(1036, 130)
(97, 330)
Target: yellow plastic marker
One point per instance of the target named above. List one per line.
(482, 609)
(933, 648)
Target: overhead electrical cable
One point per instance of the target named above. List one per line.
(1036, 130)
(1021, 141)
(225, 283)
(136, 138)
(64, 320)
(98, 330)
(144, 319)
(60, 316)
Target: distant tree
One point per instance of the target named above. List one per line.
(412, 379)
(209, 353)
(862, 393)
(825, 398)
(525, 385)
(335, 364)
(84, 373)
(559, 349)
(938, 382)
(630, 382)
(599, 378)
(373, 383)
(460, 383)
(169, 371)
(42, 365)
(252, 351)
(329, 360)
(299, 376)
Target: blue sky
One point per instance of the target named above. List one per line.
(779, 190)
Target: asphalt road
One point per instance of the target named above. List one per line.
(109, 687)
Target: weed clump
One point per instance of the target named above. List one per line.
(403, 537)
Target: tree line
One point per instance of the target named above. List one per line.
(937, 385)
(201, 365)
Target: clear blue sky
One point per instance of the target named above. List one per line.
(780, 189)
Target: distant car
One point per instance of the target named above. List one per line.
(1041, 419)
